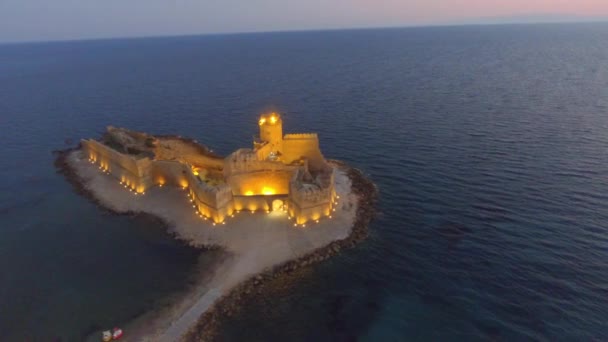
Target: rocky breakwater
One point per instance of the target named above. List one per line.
(207, 326)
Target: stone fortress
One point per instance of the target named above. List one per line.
(280, 173)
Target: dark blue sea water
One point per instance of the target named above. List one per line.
(489, 145)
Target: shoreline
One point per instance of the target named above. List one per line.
(206, 325)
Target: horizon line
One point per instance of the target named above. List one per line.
(358, 28)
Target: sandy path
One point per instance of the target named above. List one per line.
(190, 317)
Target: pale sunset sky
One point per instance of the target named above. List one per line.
(40, 20)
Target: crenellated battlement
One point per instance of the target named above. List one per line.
(291, 136)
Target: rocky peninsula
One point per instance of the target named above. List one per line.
(316, 208)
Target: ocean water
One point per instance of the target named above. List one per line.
(488, 143)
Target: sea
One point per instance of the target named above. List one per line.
(489, 145)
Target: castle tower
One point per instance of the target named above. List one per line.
(271, 132)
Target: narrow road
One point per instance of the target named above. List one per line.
(189, 319)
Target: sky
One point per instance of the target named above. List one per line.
(42, 20)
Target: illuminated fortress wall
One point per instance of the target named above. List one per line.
(141, 174)
(261, 183)
(286, 169)
(298, 146)
(214, 202)
(104, 155)
(130, 170)
(251, 203)
(171, 173)
(247, 175)
(310, 202)
(311, 210)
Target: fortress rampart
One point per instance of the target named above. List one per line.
(281, 172)
(298, 146)
(175, 149)
(292, 136)
(140, 174)
(129, 169)
(310, 202)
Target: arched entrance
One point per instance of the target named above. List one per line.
(277, 205)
